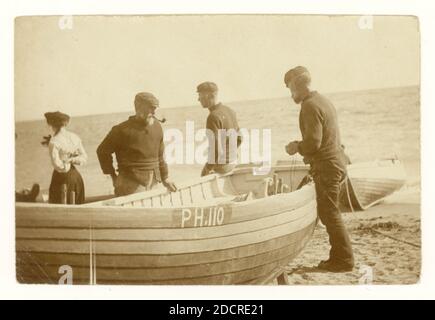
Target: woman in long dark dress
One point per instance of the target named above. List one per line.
(66, 152)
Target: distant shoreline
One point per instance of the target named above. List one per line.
(234, 102)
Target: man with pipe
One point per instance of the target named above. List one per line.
(139, 149)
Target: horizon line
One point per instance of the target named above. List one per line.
(230, 102)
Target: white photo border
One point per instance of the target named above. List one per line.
(12, 290)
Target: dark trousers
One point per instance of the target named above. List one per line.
(328, 177)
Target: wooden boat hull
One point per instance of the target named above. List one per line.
(369, 182)
(224, 242)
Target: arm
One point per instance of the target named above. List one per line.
(236, 125)
(213, 126)
(163, 167)
(81, 157)
(58, 164)
(105, 150)
(312, 130)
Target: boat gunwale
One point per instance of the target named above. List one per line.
(202, 204)
(283, 216)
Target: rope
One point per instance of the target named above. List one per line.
(348, 194)
(397, 239)
(292, 171)
(346, 181)
(92, 258)
(39, 266)
(373, 230)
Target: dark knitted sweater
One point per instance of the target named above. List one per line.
(319, 127)
(138, 148)
(221, 118)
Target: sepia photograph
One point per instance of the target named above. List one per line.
(202, 149)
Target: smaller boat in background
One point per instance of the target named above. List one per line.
(369, 182)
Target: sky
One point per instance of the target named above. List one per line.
(96, 64)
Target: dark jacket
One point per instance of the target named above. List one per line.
(222, 117)
(138, 148)
(319, 127)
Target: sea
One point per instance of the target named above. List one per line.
(374, 124)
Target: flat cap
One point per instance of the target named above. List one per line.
(207, 87)
(56, 118)
(146, 98)
(296, 72)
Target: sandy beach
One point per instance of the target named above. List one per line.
(386, 240)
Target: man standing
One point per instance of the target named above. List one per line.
(321, 148)
(222, 131)
(139, 149)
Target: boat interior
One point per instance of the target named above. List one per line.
(243, 184)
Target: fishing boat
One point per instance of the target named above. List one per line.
(239, 228)
(368, 183)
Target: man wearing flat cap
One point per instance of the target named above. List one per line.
(222, 131)
(321, 148)
(139, 149)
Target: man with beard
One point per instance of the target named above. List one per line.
(139, 149)
(322, 149)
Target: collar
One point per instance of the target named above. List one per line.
(309, 95)
(136, 120)
(60, 132)
(215, 107)
(139, 122)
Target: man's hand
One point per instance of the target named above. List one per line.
(292, 148)
(169, 185)
(205, 171)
